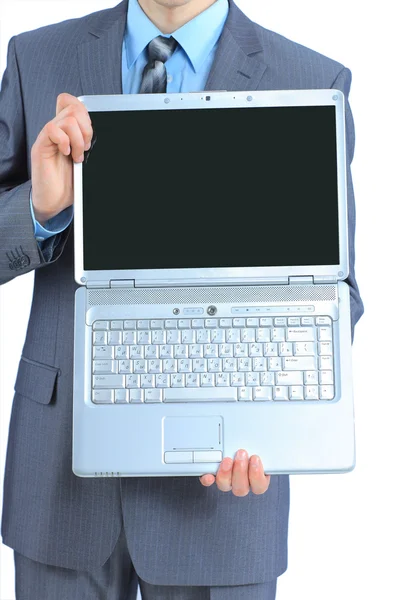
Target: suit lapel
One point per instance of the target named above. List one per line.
(236, 65)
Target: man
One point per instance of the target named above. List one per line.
(220, 538)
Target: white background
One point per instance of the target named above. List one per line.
(344, 529)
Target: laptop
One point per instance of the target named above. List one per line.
(211, 249)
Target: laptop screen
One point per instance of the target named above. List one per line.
(231, 187)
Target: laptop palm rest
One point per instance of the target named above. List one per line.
(193, 439)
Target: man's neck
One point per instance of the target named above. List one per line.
(169, 18)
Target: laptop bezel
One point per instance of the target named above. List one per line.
(223, 275)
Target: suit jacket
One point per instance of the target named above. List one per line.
(178, 532)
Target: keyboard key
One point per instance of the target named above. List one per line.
(248, 335)
(136, 396)
(188, 336)
(289, 378)
(294, 321)
(275, 364)
(325, 348)
(323, 321)
(214, 365)
(153, 395)
(327, 392)
(325, 363)
(280, 393)
(324, 334)
(199, 365)
(140, 366)
(125, 366)
(259, 364)
(280, 322)
(121, 396)
(304, 349)
(108, 381)
(166, 351)
(156, 324)
(121, 352)
(238, 322)
(101, 326)
(244, 394)
(103, 396)
(311, 377)
(226, 394)
(299, 363)
(326, 377)
(300, 334)
(117, 325)
(285, 349)
(222, 379)
(311, 392)
(252, 379)
(184, 324)
(252, 322)
(143, 337)
(136, 352)
(207, 380)
(210, 351)
(192, 380)
(267, 378)
(225, 350)
(262, 394)
(255, 349)
(173, 337)
(143, 324)
(271, 349)
(99, 338)
(266, 322)
(225, 322)
(197, 323)
(103, 352)
(114, 338)
(162, 380)
(171, 324)
(151, 351)
(296, 392)
(244, 364)
(105, 366)
(129, 337)
(263, 335)
(237, 379)
(132, 381)
(278, 334)
(232, 336)
(147, 381)
(211, 323)
(177, 380)
(154, 366)
(129, 324)
(181, 351)
(218, 336)
(307, 320)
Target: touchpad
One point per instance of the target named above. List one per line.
(182, 434)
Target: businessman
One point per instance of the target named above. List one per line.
(179, 538)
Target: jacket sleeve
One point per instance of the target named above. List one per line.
(343, 83)
(19, 249)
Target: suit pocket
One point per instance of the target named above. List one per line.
(36, 380)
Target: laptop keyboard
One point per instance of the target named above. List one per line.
(212, 360)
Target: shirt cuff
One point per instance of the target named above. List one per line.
(54, 225)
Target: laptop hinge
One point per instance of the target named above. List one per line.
(203, 282)
(122, 283)
(301, 280)
(304, 280)
(97, 284)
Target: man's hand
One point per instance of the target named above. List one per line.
(240, 475)
(66, 136)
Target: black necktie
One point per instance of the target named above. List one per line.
(154, 79)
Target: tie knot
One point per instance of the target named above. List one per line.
(162, 48)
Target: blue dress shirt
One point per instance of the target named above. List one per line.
(187, 69)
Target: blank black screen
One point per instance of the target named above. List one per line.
(237, 187)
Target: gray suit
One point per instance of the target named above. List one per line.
(178, 532)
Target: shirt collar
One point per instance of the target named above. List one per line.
(197, 37)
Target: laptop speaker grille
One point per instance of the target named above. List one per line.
(205, 295)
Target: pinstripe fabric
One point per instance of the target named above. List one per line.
(118, 580)
(178, 532)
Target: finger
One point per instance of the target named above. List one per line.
(259, 482)
(70, 126)
(240, 474)
(72, 107)
(224, 475)
(51, 136)
(207, 480)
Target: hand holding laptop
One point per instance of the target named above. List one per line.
(67, 135)
(240, 475)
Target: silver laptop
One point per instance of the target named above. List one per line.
(211, 248)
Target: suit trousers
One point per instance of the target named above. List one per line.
(118, 580)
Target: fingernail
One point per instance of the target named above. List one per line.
(87, 146)
(241, 454)
(225, 465)
(255, 461)
(80, 159)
